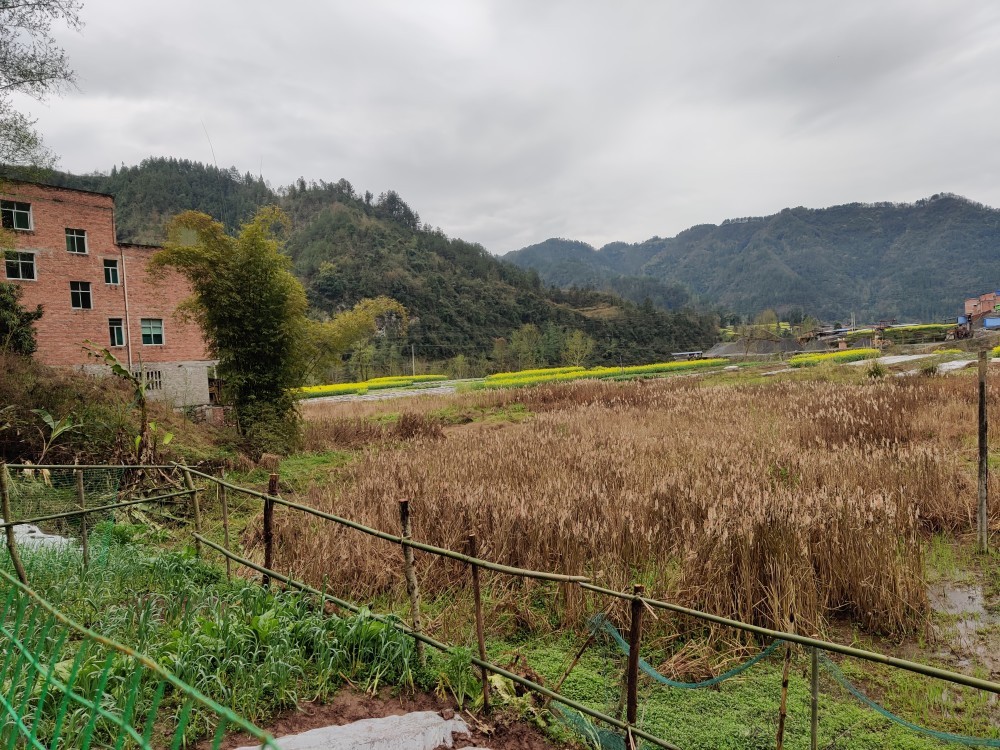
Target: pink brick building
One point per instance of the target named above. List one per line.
(93, 288)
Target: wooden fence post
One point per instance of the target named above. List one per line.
(632, 673)
(192, 490)
(410, 574)
(814, 703)
(11, 542)
(480, 639)
(983, 521)
(785, 669)
(272, 491)
(81, 500)
(224, 502)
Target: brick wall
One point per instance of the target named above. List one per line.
(62, 329)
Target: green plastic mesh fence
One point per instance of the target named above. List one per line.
(62, 685)
(43, 501)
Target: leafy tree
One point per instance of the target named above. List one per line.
(552, 344)
(501, 355)
(327, 342)
(253, 312)
(458, 367)
(362, 359)
(526, 345)
(31, 63)
(578, 349)
(17, 324)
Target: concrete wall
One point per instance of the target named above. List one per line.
(179, 384)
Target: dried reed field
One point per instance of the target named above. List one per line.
(745, 501)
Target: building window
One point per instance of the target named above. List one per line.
(79, 295)
(76, 241)
(152, 331)
(15, 215)
(19, 265)
(153, 379)
(116, 332)
(111, 272)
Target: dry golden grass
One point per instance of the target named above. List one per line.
(743, 501)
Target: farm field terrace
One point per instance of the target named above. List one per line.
(821, 491)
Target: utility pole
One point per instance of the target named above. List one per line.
(983, 521)
(413, 361)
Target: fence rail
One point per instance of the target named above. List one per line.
(445, 648)
(638, 601)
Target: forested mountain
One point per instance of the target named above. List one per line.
(884, 260)
(148, 195)
(568, 264)
(347, 246)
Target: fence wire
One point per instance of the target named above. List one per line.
(37, 493)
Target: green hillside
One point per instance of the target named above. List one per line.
(884, 260)
(148, 195)
(568, 263)
(347, 246)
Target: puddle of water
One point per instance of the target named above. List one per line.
(967, 605)
(957, 599)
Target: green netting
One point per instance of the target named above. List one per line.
(601, 623)
(62, 685)
(850, 687)
(594, 736)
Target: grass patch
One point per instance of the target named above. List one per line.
(743, 712)
(256, 651)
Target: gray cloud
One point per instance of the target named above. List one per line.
(507, 122)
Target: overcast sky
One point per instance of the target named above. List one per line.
(508, 122)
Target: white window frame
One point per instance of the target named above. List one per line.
(20, 261)
(142, 332)
(89, 291)
(78, 234)
(120, 326)
(13, 208)
(117, 268)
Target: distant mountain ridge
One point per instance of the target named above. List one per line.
(883, 260)
(346, 246)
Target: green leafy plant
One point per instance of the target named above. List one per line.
(141, 446)
(456, 677)
(876, 370)
(56, 427)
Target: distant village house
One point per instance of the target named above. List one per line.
(984, 310)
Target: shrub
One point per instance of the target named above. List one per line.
(876, 370)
